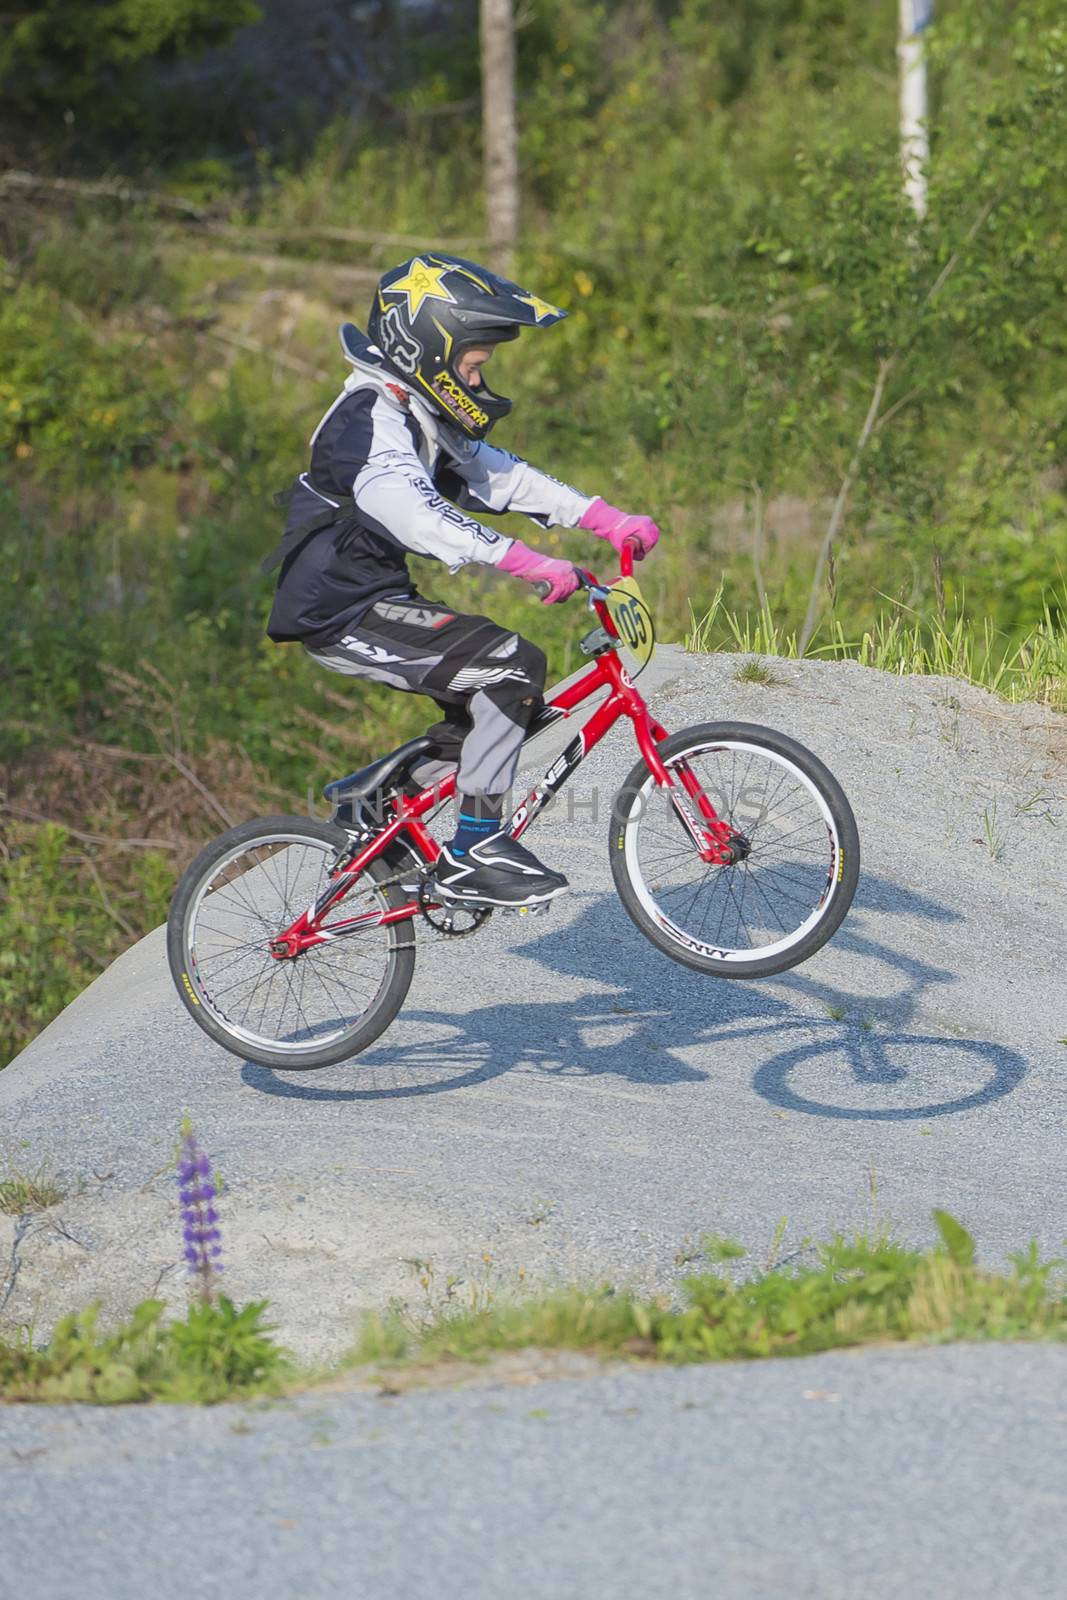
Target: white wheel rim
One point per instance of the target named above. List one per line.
(728, 954)
(194, 963)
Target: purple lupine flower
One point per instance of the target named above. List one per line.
(201, 1234)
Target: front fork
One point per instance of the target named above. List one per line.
(715, 841)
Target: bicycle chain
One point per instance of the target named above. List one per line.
(481, 914)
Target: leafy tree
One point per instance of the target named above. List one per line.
(83, 53)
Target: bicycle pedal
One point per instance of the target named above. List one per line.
(533, 911)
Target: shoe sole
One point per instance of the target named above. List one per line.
(451, 897)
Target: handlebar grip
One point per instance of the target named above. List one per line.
(626, 557)
(542, 588)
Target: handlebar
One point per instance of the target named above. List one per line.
(542, 588)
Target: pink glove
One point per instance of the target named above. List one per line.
(616, 526)
(522, 562)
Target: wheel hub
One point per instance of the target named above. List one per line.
(737, 848)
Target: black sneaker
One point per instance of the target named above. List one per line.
(497, 871)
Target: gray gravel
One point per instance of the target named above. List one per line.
(931, 1474)
(556, 1101)
(562, 1099)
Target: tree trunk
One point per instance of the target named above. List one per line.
(499, 132)
(915, 16)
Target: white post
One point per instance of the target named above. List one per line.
(915, 16)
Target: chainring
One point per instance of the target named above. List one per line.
(454, 922)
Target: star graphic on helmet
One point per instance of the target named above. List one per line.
(541, 308)
(421, 282)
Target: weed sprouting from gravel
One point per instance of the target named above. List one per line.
(22, 1192)
(1038, 804)
(756, 671)
(992, 835)
(864, 1289)
(219, 1352)
(860, 1290)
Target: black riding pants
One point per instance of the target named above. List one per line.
(488, 682)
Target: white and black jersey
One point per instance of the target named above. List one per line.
(399, 481)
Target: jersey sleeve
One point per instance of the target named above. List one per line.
(488, 479)
(394, 494)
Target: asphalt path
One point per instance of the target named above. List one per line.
(931, 1474)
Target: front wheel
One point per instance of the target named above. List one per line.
(324, 1005)
(773, 908)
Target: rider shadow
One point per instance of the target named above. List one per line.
(579, 1038)
(971, 1072)
(630, 1032)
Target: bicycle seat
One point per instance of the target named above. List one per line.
(385, 773)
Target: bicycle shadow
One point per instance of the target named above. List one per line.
(975, 1071)
(631, 1033)
(580, 1038)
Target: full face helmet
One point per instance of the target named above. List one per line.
(431, 309)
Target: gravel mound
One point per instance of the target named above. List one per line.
(559, 1100)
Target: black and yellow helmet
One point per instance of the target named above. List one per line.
(432, 308)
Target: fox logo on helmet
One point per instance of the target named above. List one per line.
(401, 346)
(430, 310)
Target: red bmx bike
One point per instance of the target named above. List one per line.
(733, 849)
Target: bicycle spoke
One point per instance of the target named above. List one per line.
(768, 895)
(224, 933)
(756, 885)
(294, 1004)
(217, 973)
(243, 900)
(339, 1011)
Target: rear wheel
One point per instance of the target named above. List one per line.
(766, 912)
(318, 1008)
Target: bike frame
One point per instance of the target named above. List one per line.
(712, 838)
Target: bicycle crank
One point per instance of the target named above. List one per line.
(455, 922)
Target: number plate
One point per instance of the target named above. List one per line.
(630, 613)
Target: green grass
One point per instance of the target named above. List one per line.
(216, 1352)
(852, 1291)
(756, 671)
(994, 839)
(21, 1192)
(1031, 667)
(858, 1291)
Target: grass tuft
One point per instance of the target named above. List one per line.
(217, 1352)
(868, 1289)
(756, 670)
(863, 1290)
(22, 1192)
(1030, 668)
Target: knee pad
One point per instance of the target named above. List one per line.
(534, 663)
(519, 692)
(512, 668)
